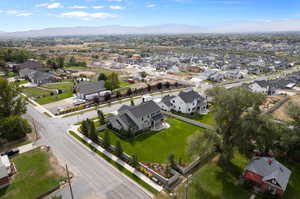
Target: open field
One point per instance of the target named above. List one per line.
(206, 119)
(65, 86)
(54, 98)
(155, 147)
(35, 92)
(35, 176)
(281, 113)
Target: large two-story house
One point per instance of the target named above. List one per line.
(145, 116)
(186, 102)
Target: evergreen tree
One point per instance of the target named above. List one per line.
(102, 76)
(101, 117)
(106, 140)
(119, 149)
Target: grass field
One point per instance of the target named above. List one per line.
(65, 86)
(54, 98)
(35, 92)
(34, 176)
(207, 119)
(157, 146)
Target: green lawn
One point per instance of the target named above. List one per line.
(54, 98)
(157, 146)
(207, 119)
(65, 86)
(35, 92)
(216, 181)
(34, 176)
(125, 84)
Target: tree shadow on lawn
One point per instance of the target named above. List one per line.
(229, 177)
(3, 191)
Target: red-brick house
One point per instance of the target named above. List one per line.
(4, 171)
(268, 174)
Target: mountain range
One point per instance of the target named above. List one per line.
(103, 30)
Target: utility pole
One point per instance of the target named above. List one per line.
(69, 182)
(187, 187)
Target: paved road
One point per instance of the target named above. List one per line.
(94, 177)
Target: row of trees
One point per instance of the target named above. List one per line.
(12, 106)
(14, 55)
(112, 81)
(88, 129)
(61, 62)
(241, 125)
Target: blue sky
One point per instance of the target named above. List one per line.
(16, 15)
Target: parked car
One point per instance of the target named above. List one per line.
(11, 153)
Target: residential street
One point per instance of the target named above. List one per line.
(94, 177)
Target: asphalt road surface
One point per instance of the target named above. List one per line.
(94, 177)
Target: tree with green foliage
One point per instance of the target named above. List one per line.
(129, 92)
(92, 132)
(118, 149)
(11, 102)
(171, 160)
(60, 62)
(14, 128)
(101, 117)
(106, 140)
(290, 140)
(112, 81)
(84, 128)
(134, 161)
(102, 76)
(132, 103)
(239, 124)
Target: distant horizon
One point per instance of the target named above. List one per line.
(213, 15)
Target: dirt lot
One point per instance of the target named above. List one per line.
(281, 112)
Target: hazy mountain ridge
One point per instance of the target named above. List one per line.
(104, 30)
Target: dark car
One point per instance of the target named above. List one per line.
(11, 153)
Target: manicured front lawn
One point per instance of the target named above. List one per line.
(54, 98)
(34, 176)
(35, 92)
(207, 119)
(65, 86)
(157, 146)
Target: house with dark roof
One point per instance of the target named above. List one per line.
(37, 77)
(186, 102)
(143, 117)
(268, 175)
(89, 90)
(30, 64)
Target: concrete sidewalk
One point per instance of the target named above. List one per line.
(27, 147)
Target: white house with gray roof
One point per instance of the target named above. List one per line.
(145, 116)
(186, 102)
(89, 90)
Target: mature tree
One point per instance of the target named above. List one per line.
(112, 81)
(106, 140)
(229, 109)
(2, 64)
(92, 132)
(118, 94)
(149, 87)
(159, 86)
(134, 161)
(51, 63)
(84, 128)
(102, 76)
(290, 140)
(14, 128)
(72, 61)
(167, 85)
(60, 61)
(119, 149)
(171, 160)
(11, 102)
(101, 117)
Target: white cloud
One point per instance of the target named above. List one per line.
(151, 6)
(49, 5)
(78, 7)
(24, 14)
(86, 15)
(116, 7)
(97, 7)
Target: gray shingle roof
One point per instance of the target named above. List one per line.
(144, 109)
(269, 168)
(190, 96)
(90, 87)
(167, 100)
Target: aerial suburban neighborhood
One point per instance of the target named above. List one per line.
(91, 110)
